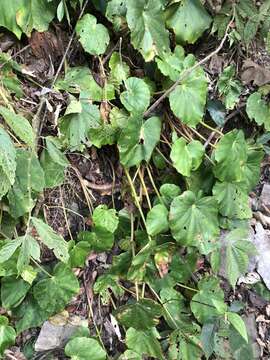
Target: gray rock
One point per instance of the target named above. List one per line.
(261, 240)
(265, 195)
(56, 335)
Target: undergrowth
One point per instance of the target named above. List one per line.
(188, 173)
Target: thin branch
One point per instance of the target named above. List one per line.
(187, 72)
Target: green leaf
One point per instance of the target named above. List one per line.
(238, 249)
(7, 335)
(60, 11)
(231, 149)
(53, 149)
(193, 221)
(208, 338)
(115, 12)
(30, 248)
(138, 140)
(251, 28)
(13, 291)
(238, 324)
(29, 314)
(99, 238)
(54, 293)
(106, 284)
(217, 111)
(130, 355)
(144, 342)
(119, 69)
(228, 87)
(35, 14)
(53, 162)
(186, 157)
(188, 19)
(194, 87)
(75, 127)
(140, 263)
(83, 348)
(7, 162)
(19, 125)
(232, 199)
(252, 168)
(172, 64)
(8, 16)
(136, 98)
(93, 37)
(54, 174)
(79, 253)
(105, 218)
(174, 303)
(258, 110)
(80, 80)
(9, 249)
(157, 220)
(51, 239)
(145, 19)
(202, 304)
(168, 192)
(104, 134)
(142, 315)
(29, 182)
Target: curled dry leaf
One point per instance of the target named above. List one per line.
(252, 72)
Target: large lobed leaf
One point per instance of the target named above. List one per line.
(138, 140)
(93, 37)
(145, 19)
(186, 157)
(188, 19)
(193, 221)
(51, 239)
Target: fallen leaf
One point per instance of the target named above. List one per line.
(252, 72)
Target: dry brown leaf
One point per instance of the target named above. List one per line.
(252, 72)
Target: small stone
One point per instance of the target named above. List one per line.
(265, 195)
(55, 334)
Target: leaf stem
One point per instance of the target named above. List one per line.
(154, 185)
(187, 287)
(133, 249)
(41, 268)
(145, 188)
(137, 202)
(211, 128)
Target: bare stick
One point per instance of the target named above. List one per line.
(187, 72)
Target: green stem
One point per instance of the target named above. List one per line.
(133, 250)
(211, 128)
(145, 189)
(153, 184)
(187, 287)
(41, 268)
(137, 202)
